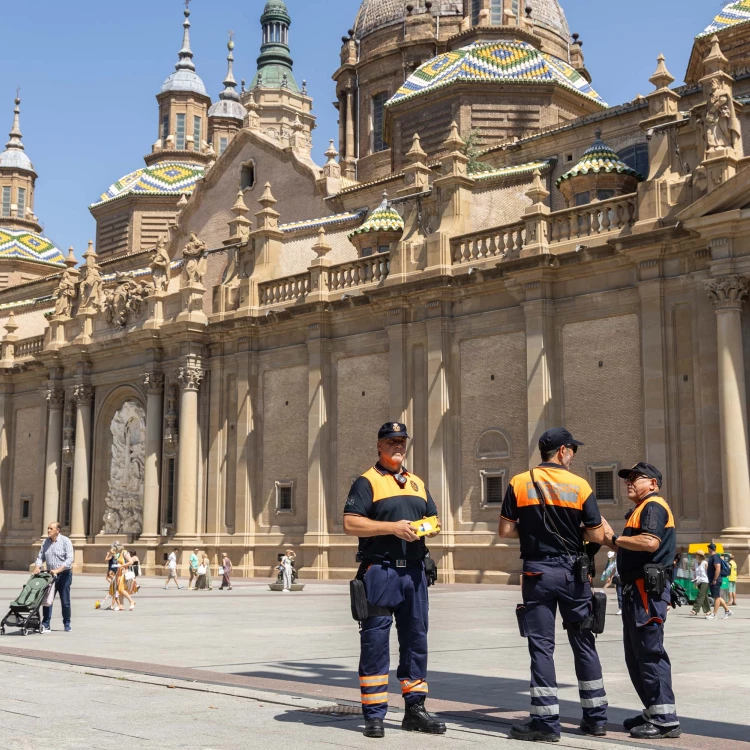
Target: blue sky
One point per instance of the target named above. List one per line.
(89, 71)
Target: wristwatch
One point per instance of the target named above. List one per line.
(615, 537)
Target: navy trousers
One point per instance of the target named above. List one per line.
(403, 590)
(62, 588)
(643, 618)
(547, 584)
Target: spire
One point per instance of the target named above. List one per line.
(15, 131)
(185, 78)
(230, 85)
(14, 155)
(275, 61)
(186, 54)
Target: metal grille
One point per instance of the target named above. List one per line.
(493, 490)
(285, 497)
(604, 485)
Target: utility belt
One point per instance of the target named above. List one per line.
(594, 622)
(361, 607)
(655, 578)
(581, 563)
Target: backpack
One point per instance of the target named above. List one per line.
(725, 569)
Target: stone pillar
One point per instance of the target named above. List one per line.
(727, 293)
(154, 384)
(189, 377)
(53, 458)
(84, 396)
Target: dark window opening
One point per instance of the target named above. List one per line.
(493, 490)
(604, 485)
(247, 176)
(603, 195)
(378, 108)
(636, 157)
(169, 515)
(25, 508)
(582, 198)
(67, 496)
(285, 498)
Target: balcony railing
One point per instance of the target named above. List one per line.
(29, 347)
(492, 243)
(355, 273)
(612, 215)
(286, 289)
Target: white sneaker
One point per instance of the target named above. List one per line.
(45, 629)
(728, 613)
(286, 591)
(619, 611)
(710, 616)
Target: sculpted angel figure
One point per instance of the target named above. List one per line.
(160, 265)
(195, 260)
(66, 293)
(722, 125)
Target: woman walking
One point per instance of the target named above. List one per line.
(117, 588)
(204, 574)
(226, 573)
(700, 579)
(132, 581)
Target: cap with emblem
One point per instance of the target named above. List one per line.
(553, 438)
(391, 430)
(641, 469)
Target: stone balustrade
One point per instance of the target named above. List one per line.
(499, 242)
(592, 219)
(286, 289)
(371, 269)
(29, 347)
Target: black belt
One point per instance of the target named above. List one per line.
(543, 558)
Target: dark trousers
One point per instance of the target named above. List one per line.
(404, 590)
(62, 588)
(647, 661)
(547, 584)
(618, 588)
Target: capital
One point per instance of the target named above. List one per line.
(83, 394)
(55, 399)
(153, 383)
(727, 292)
(190, 377)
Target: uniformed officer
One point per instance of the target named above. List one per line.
(646, 547)
(555, 574)
(379, 510)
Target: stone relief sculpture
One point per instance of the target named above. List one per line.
(721, 126)
(160, 266)
(194, 257)
(123, 299)
(91, 284)
(65, 293)
(124, 500)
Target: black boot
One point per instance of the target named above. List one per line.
(649, 731)
(416, 719)
(530, 733)
(633, 721)
(374, 728)
(595, 730)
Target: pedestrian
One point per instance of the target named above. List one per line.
(700, 579)
(732, 581)
(380, 509)
(171, 568)
(552, 511)
(118, 588)
(287, 569)
(194, 562)
(111, 561)
(200, 581)
(610, 578)
(714, 584)
(226, 573)
(57, 554)
(132, 582)
(645, 553)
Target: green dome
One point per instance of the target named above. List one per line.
(598, 157)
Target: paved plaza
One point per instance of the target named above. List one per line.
(224, 670)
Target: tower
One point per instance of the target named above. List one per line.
(227, 116)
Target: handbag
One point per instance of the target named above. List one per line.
(221, 570)
(201, 570)
(129, 574)
(50, 596)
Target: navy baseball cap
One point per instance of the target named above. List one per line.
(641, 469)
(391, 430)
(712, 546)
(552, 439)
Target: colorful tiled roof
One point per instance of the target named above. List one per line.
(598, 157)
(382, 219)
(519, 169)
(502, 61)
(25, 245)
(326, 221)
(733, 13)
(165, 178)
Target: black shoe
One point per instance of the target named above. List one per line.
(595, 730)
(530, 733)
(416, 719)
(634, 721)
(374, 728)
(649, 731)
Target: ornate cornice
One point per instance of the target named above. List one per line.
(153, 383)
(190, 376)
(727, 292)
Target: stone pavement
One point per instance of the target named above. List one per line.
(252, 667)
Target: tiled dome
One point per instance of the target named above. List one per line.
(732, 14)
(26, 245)
(377, 14)
(382, 219)
(599, 157)
(164, 178)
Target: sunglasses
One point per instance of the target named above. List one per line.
(633, 480)
(574, 448)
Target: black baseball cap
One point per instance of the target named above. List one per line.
(712, 546)
(391, 430)
(641, 469)
(553, 438)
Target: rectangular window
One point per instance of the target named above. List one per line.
(604, 482)
(496, 12)
(196, 133)
(603, 195)
(21, 213)
(384, 248)
(223, 143)
(378, 104)
(476, 6)
(284, 497)
(180, 132)
(5, 208)
(25, 507)
(169, 514)
(164, 129)
(582, 198)
(493, 486)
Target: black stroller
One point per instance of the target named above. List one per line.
(25, 608)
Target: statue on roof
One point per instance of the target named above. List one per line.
(66, 293)
(195, 261)
(91, 284)
(160, 264)
(722, 128)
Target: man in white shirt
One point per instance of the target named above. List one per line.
(700, 579)
(171, 567)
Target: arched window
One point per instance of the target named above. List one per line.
(493, 443)
(636, 157)
(247, 175)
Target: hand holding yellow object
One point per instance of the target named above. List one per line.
(426, 526)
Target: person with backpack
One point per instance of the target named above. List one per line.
(718, 568)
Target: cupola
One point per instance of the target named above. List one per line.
(227, 115)
(382, 229)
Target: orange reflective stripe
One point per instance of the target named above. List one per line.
(560, 487)
(413, 686)
(374, 698)
(641, 586)
(381, 679)
(634, 522)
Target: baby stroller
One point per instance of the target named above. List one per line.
(25, 608)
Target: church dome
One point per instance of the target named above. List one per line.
(377, 14)
(732, 14)
(25, 245)
(15, 159)
(184, 77)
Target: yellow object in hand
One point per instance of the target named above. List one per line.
(426, 526)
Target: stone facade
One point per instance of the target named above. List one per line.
(281, 310)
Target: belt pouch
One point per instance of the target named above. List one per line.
(521, 617)
(430, 571)
(582, 568)
(598, 612)
(360, 606)
(654, 579)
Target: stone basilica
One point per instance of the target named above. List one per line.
(489, 250)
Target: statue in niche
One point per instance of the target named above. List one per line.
(91, 285)
(124, 500)
(195, 260)
(160, 265)
(123, 299)
(721, 126)
(65, 293)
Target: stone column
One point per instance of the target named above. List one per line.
(727, 293)
(154, 384)
(53, 458)
(189, 377)
(84, 396)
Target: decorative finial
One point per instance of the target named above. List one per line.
(71, 261)
(15, 131)
(186, 54)
(661, 78)
(285, 81)
(230, 85)
(304, 87)
(598, 134)
(242, 82)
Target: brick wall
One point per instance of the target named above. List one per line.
(494, 206)
(27, 474)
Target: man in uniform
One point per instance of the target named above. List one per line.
(554, 574)
(379, 510)
(646, 547)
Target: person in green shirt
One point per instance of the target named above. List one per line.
(732, 581)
